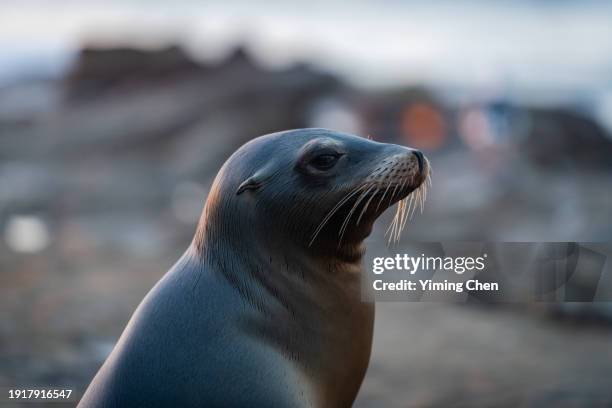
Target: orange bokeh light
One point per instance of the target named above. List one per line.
(423, 126)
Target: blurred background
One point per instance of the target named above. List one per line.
(115, 117)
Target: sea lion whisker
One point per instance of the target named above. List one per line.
(395, 189)
(406, 208)
(410, 203)
(398, 211)
(405, 212)
(421, 194)
(350, 214)
(383, 196)
(394, 224)
(362, 191)
(368, 203)
(402, 211)
(404, 202)
(390, 228)
(398, 228)
(334, 210)
(403, 218)
(401, 224)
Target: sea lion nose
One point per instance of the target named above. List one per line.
(420, 159)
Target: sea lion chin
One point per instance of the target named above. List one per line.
(264, 308)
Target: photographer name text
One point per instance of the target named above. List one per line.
(414, 264)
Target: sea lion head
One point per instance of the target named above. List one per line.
(313, 188)
(284, 225)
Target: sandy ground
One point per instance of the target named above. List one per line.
(441, 355)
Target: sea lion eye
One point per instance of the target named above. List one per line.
(324, 161)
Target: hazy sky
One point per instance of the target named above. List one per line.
(527, 43)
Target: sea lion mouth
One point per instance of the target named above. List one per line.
(387, 185)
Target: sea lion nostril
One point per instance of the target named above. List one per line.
(420, 159)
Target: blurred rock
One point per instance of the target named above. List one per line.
(135, 124)
(101, 70)
(560, 138)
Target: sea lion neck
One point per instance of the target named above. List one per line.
(271, 252)
(305, 306)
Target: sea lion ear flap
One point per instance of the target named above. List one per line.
(255, 181)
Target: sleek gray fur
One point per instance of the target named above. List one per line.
(257, 313)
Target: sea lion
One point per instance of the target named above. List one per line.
(264, 308)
